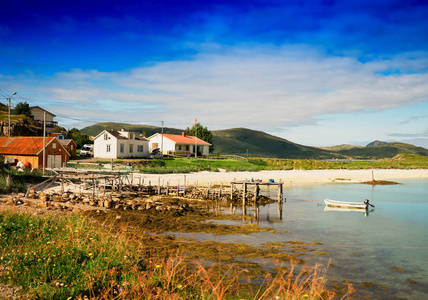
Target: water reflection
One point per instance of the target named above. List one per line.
(338, 209)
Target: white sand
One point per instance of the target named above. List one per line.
(288, 177)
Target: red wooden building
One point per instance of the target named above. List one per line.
(30, 149)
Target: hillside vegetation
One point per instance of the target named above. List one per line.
(243, 141)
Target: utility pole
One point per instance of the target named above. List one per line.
(44, 141)
(196, 140)
(14, 93)
(162, 140)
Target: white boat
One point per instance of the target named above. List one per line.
(346, 204)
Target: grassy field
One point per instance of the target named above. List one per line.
(187, 165)
(69, 258)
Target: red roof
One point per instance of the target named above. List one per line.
(185, 139)
(22, 145)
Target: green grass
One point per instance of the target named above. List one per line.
(67, 258)
(186, 165)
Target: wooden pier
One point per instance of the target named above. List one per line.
(101, 183)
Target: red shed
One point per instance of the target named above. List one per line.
(30, 149)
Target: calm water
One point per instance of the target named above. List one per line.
(388, 247)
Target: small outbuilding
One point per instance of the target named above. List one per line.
(70, 145)
(30, 149)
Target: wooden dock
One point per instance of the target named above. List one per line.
(102, 182)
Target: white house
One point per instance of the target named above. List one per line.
(120, 144)
(176, 144)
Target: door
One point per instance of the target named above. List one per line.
(54, 161)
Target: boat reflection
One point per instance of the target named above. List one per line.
(338, 209)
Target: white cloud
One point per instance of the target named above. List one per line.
(259, 88)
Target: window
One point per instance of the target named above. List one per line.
(140, 148)
(105, 136)
(53, 146)
(108, 148)
(131, 148)
(72, 147)
(122, 148)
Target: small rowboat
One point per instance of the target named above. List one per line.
(345, 204)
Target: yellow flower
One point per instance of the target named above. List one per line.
(179, 286)
(158, 266)
(90, 254)
(305, 296)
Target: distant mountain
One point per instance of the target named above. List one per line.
(382, 150)
(237, 141)
(341, 147)
(376, 143)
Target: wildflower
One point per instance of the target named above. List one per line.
(179, 286)
(76, 230)
(90, 254)
(158, 266)
(305, 296)
(48, 243)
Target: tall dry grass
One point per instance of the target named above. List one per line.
(71, 258)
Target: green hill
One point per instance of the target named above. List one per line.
(260, 144)
(382, 150)
(94, 130)
(237, 141)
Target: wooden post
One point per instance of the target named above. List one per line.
(279, 192)
(231, 190)
(244, 192)
(256, 192)
(167, 188)
(185, 186)
(159, 188)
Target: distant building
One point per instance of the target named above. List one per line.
(38, 114)
(70, 145)
(120, 144)
(30, 149)
(176, 144)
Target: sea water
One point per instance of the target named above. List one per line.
(383, 253)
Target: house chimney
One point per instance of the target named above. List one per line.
(183, 133)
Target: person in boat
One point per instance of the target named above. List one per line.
(367, 203)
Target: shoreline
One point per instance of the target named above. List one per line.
(288, 177)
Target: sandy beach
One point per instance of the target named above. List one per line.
(290, 177)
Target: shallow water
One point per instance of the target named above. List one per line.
(387, 248)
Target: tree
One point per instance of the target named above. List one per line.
(78, 137)
(201, 132)
(22, 108)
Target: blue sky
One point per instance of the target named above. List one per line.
(316, 73)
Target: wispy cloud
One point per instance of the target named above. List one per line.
(259, 87)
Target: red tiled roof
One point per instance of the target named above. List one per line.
(23, 145)
(180, 139)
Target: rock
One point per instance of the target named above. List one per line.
(92, 203)
(107, 203)
(77, 210)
